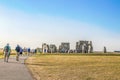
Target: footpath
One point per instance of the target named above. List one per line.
(14, 70)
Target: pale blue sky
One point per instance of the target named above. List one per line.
(33, 22)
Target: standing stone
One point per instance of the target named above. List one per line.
(52, 48)
(84, 47)
(90, 50)
(64, 47)
(39, 50)
(105, 50)
(45, 48)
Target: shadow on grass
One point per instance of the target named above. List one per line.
(42, 64)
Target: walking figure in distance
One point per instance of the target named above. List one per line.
(18, 52)
(21, 51)
(6, 51)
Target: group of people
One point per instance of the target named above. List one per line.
(29, 51)
(18, 49)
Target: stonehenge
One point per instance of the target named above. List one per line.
(45, 48)
(49, 48)
(81, 47)
(39, 50)
(64, 47)
(52, 48)
(84, 47)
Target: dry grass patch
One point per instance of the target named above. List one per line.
(74, 67)
(1, 55)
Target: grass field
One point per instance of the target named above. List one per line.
(1, 56)
(75, 67)
(12, 54)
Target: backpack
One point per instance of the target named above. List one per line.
(18, 49)
(7, 49)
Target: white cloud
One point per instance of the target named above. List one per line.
(17, 27)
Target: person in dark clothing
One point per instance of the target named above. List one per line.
(28, 51)
(18, 52)
(21, 51)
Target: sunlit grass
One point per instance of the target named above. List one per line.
(2, 55)
(75, 67)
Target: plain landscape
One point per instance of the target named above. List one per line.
(75, 66)
(60, 39)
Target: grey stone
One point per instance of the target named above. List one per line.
(84, 47)
(64, 47)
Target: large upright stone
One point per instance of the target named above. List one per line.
(84, 47)
(39, 50)
(90, 47)
(105, 50)
(45, 48)
(64, 47)
(52, 48)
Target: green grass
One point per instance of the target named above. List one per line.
(75, 66)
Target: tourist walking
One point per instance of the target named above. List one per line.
(28, 51)
(18, 52)
(6, 51)
(21, 51)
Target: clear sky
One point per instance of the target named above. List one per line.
(33, 22)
